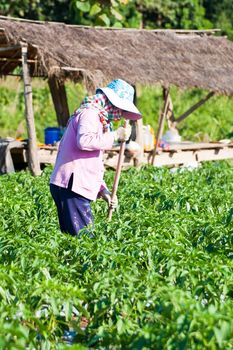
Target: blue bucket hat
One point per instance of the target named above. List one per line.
(121, 95)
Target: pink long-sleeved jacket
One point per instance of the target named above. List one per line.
(81, 153)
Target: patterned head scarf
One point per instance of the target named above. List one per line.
(107, 111)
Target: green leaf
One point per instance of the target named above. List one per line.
(95, 9)
(104, 18)
(117, 25)
(114, 3)
(54, 305)
(223, 332)
(116, 14)
(218, 335)
(120, 326)
(172, 270)
(46, 273)
(83, 6)
(3, 293)
(68, 310)
(187, 206)
(140, 306)
(229, 217)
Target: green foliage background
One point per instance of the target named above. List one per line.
(213, 121)
(159, 276)
(182, 14)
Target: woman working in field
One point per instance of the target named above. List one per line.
(77, 178)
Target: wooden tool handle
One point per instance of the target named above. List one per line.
(117, 174)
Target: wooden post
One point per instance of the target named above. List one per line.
(58, 92)
(139, 134)
(161, 123)
(33, 160)
(170, 114)
(140, 141)
(193, 108)
(117, 174)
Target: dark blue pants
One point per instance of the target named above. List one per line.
(74, 211)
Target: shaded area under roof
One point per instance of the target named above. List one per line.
(97, 55)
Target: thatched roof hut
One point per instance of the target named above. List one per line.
(187, 59)
(97, 55)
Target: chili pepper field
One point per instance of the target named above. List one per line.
(158, 276)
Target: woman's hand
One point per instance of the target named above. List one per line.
(122, 134)
(107, 196)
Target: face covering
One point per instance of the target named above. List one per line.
(107, 112)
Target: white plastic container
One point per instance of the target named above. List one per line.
(148, 137)
(172, 136)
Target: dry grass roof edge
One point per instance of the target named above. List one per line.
(96, 55)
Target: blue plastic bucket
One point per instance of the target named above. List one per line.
(52, 135)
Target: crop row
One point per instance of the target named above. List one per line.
(159, 276)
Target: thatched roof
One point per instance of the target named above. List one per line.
(139, 56)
